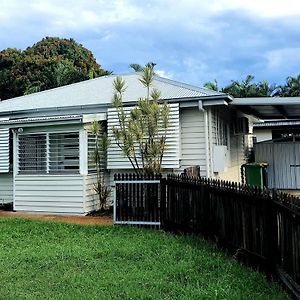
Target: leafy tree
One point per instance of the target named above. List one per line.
(50, 63)
(8, 85)
(142, 133)
(99, 158)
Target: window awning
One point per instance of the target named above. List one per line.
(40, 121)
(51, 120)
(268, 108)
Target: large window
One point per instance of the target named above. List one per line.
(49, 153)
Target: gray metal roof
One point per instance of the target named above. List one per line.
(269, 107)
(100, 91)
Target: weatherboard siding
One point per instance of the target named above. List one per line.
(6, 188)
(49, 194)
(192, 138)
(91, 199)
(116, 159)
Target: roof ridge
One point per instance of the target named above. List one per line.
(188, 86)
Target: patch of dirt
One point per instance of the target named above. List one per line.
(83, 220)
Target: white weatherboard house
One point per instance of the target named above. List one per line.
(44, 140)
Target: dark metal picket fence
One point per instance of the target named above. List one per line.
(137, 199)
(254, 223)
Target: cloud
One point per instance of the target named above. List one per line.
(190, 40)
(283, 58)
(164, 74)
(261, 8)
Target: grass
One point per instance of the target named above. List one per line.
(44, 260)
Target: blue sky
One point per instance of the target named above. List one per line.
(192, 41)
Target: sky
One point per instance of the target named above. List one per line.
(193, 41)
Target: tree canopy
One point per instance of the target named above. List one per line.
(248, 88)
(49, 63)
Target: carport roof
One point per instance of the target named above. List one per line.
(268, 108)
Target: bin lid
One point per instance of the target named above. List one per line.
(257, 164)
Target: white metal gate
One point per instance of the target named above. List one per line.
(284, 163)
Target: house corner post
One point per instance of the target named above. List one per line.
(15, 164)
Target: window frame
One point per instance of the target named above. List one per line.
(48, 170)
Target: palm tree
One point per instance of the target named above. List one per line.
(263, 89)
(292, 86)
(245, 88)
(139, 68)
(212, 85)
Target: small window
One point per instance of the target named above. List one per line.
(32, 154)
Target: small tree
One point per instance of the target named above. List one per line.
(99, 158)
(142, 132)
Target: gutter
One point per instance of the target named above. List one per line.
(210, 98)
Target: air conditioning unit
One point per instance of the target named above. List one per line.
(241, 126)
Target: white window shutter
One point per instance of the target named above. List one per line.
(117, 160)
(4, 150)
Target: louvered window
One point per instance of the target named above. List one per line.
(91, 153)
(64, 152)
(32, 154)
(49, 153)
(5, 150)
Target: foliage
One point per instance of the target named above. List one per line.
(63, 261)
(139, 68)
(212, 85)
(292, 86)
(247, 88)
(50, 63)
(99, 158)
(142, 133)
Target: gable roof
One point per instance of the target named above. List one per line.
(100, 91)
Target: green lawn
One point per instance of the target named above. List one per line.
(43, 260)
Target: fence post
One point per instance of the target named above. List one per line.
(163, 203)
(272, 231)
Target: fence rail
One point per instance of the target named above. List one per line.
(250, 221)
